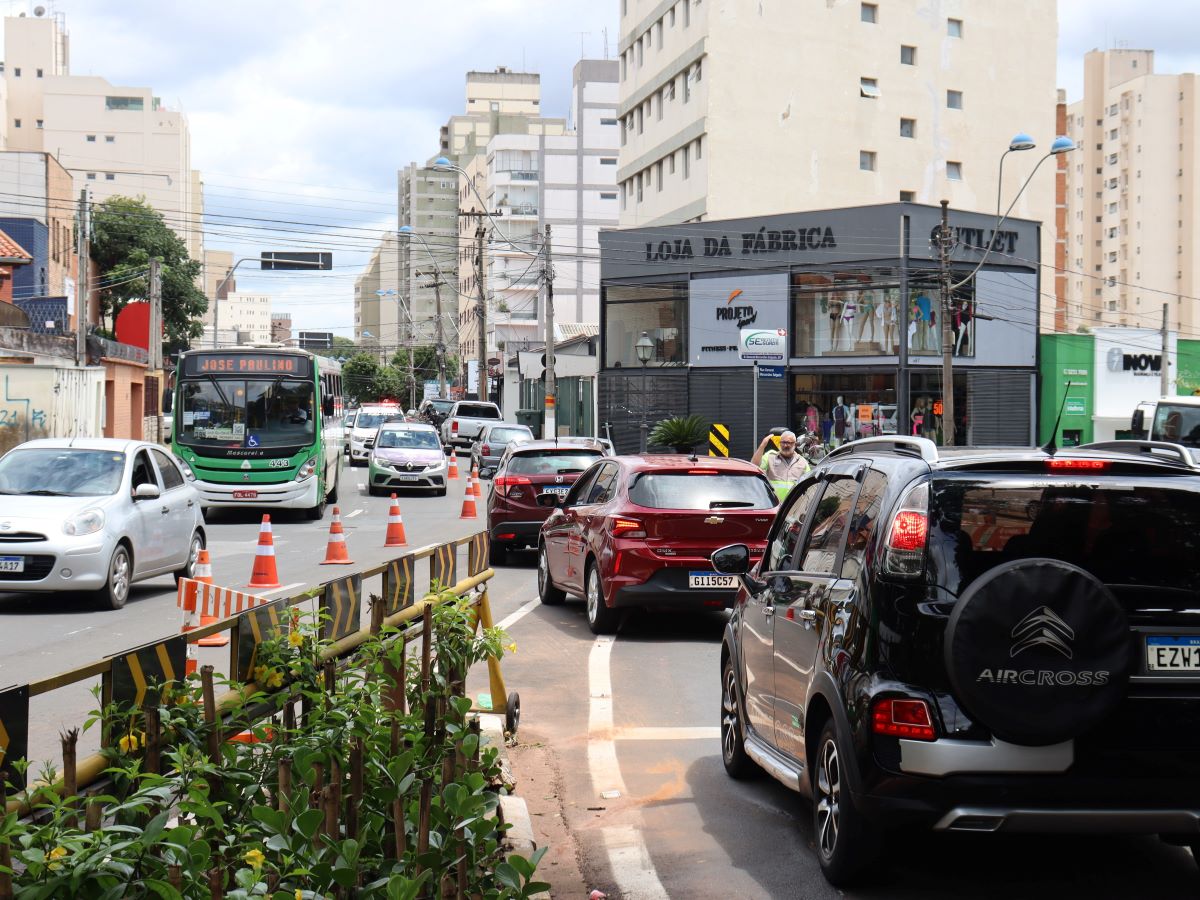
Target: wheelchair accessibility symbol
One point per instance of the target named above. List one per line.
(252, 441)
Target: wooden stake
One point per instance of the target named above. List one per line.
(377, 611)
(424, 810)
(93, 814)
(335, 785)
(329, 804)
(356, 787)
(330, 671)
(289, 718)
(318, 785)
(152, 723)
(283, 796)
(175, 877)
(70, 741)
(216, 882)
(6, 885)
(210, 714)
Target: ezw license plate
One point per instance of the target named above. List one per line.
(1173, 654)
(711, 580)
(12, 564)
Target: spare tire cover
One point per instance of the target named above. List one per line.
(1038, 651)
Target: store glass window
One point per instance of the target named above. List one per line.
(925, 322)
(658, 311)
(926, 408)
(838, 407)
(844, 314)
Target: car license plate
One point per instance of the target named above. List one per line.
(245, 495)
(557, 491)
(711, 580)
(12, 564)
(1173, 654)
(409, 477)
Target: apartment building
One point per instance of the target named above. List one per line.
(217, 280)
(281, 327)
(244, 318)
(749, 109)
(114, 140)
(1132, 196)
(378, 307)
(428, 204)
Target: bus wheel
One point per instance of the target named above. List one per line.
(316, 513)
(333, 495)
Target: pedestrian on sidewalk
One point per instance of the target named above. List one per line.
(784, 467)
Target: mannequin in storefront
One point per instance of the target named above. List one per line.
(888, 311)
(923, 315)
(841, 423)
(919, 417)
(867, 313)
(849, 313)
(836, 307)
(812, 419)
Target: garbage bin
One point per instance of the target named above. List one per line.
(532, 419)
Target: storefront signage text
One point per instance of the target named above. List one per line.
(751, 242)
(1137, 363)
(980, 238)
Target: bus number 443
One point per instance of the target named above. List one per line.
(278, 463)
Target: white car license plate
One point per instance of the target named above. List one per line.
(556, 490)
(711, 580)
(12, 564)
(409, 477)
(1173, 654)
(245, 495)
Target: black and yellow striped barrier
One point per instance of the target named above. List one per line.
(342, 605)
(14, 733)
(135, 672)
(255, 626)
(443, 566)
(399, 588)
(718, 440)
(477, 553)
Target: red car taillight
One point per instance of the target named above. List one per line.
(903, 718)
(904, 547)
(485, 450)
(629, 528)
(908, 531)
(505, 483)
(454, 425)
(1089, 465)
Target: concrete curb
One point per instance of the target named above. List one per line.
(513, 810)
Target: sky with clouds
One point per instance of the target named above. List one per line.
(302, 111)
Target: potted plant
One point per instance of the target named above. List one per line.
(681, 433)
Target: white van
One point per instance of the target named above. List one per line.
(366, 424)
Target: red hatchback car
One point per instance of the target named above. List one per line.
(525, 472)
(638, 531)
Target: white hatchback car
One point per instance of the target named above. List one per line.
(95, 514)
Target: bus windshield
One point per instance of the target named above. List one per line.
(1177, 423)
(232, 412)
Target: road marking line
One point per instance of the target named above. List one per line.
(510, 620)
(351, 515)
(669, 733)
(628, 858)
(286, 587)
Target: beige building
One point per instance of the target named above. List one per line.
(1132, 196)
(378, 312)
(113, 139)
(217, 281)
(428, 204)
(748, 109)
(245, 314)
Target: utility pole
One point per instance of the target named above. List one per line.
(441, 335)
(81, 286)
(154, 344)
(550, 425)
(1164, 373)
(947, 334)
(482, 382)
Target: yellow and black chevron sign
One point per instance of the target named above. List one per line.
(477, 553)
(135, 671)
(255, 626)
(398, 587)
(718, 440)
(443, 567)
(14, 733)
(342, 604)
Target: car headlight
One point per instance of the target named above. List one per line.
(187, 470)
(306, 470)
(87, 522)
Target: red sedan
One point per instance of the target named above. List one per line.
(638, 531)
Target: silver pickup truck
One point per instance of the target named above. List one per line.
(465, 420)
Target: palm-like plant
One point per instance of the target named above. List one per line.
(681, 433)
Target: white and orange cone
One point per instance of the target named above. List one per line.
(475, 481)
(335, 551)
(468, 507)
(395, 527)
(203, 571)
(264, 574)
(452, 475)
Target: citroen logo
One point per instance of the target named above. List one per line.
(1042, 628)
(713, 520)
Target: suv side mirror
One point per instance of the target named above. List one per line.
(1138, 422)
(731, 560)
(145, 492)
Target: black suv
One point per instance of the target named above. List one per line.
(973, 640)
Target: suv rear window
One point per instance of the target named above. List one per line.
(691, 490)
(477, 411)
(500, 435)
(551, 462)
(1125, 533)
(442, 406)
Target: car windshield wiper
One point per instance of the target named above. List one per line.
(730, 504)
(42, 492)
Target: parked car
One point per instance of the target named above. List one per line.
(638, 531)
(525, 472)
(974, 641)
(95, 515)
(406, 455)
(433, 410)
(464, 422)
(366, 422)
(492, 442)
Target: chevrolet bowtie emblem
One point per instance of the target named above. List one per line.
(713, 520)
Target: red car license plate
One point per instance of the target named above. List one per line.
(245, 495)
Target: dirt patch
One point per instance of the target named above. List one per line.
(539, 783)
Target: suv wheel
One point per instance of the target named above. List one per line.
(601, 619)
(733, 747)
(547, 592)
(847, 845)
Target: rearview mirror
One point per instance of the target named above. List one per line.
(731, 560)
(145, 492)
(551, 500)
(487, 472)
(168, 401)
(1138, 422)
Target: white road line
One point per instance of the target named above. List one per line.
(351, 515)
(628, 858)
(279, 590)
(667, 733)
(510, 620)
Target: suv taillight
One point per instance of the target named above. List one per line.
(903, 718)
(505, 483)
(904, 548)
(454, 425)
(629, 528)
(486, 450)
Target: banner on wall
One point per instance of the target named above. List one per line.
(720, 308)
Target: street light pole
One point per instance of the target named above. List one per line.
(644, 349)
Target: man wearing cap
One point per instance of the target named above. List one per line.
(784, 467)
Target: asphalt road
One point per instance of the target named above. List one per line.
(636, 715)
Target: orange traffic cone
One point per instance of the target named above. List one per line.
(335, 551)
(468, 508)
(264, 575)
(395, 529)
(452, 475)
(203, 571)
(475, 481)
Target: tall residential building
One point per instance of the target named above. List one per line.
(862, 102)
(217, 281)
(378, 312)
(281, 327)
(249, 314)
(1133, 196)
(428, 203)
(113, 139)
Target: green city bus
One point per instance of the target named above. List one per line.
(259, 426)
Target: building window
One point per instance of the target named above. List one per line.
(661, 101)
(671, 16)
(907, 196)
(605, 121)
(868, 87)
(658, 30)
(954, 99)
(637, 181)
(39, 75)
(698, 72)
(40, 123)
(608, 195)
(638, 47)
(135, 104)
(624, 67)
(91, 176)
(16, 72)
(109, 176)
(669, 90)
(16, 123)
(91, 139)
(639, 120)
(671, 164)
(687, 167)
(869, 13)
(954, 28)
(608, 160)
(687, 88)
(658, 310)
(908, 128)
(658, 176)
(954, 171)
(866, 160)
(687, 13)
(908, 55)
(699, 148)
(109, 139)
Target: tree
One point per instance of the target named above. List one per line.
(126, 234)
(360, 376)
(425, 366)
(342, 346)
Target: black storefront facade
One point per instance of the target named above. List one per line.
(856, 290)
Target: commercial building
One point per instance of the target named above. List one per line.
(748, 109)
(856, 292)
(428, 204)
(1133, 198)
